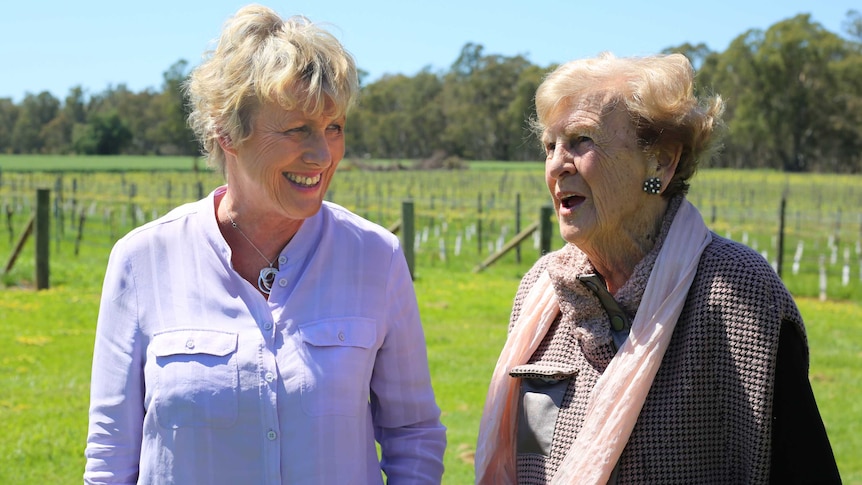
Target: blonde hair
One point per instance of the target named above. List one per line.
(262, 58)
(658, 93)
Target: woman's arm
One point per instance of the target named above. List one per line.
(406, 417)
(116, 387)
(801, 452)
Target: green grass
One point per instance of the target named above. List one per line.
(835, 340)
(47, 339)
(97, 163)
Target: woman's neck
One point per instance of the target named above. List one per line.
(616, 256)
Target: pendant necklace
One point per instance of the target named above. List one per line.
(267, 274)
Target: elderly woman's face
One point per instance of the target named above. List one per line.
(288, 161)
(595, 173)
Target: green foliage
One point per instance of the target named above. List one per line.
(790, 91)
(105, 134)
(36, 112)
(8, 118)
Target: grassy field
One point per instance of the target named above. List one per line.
(94, 163)
(47, 336)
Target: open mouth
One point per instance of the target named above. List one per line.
(570, 201)
(303, 180)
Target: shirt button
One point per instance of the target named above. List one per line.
(271, 435)
(267, 326)
(282, 282)
(269, 376)
(282, 259)
(341, 336)
(190, 344)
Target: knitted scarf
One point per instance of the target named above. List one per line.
(619, 394)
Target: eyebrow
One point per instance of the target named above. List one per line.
(571, 128)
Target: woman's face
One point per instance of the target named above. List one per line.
(595, 172)
(287, 163)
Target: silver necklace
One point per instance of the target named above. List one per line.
(267, 274)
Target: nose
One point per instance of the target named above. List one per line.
(560, 161)
(316, 150)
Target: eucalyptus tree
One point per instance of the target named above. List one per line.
(397, 117)
(8, 116)
(36, 111)
(485, 105)
(781, 86)
(57, 133)
(172, 131)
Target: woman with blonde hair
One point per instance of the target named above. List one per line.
(262, 334)
(648, 349)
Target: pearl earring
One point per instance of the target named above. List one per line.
(652, 185)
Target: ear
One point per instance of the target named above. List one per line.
(668, 160)
(226, 144)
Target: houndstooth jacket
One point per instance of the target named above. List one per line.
(711, 415)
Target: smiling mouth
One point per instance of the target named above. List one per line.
(302, 180)
(570, 201)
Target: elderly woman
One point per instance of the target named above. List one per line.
(647, 350)
(262, 335)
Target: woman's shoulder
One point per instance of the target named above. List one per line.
(734, 258)
(527, 281)
(735, 274)
(161, 227)
(341, 220)
(532, 275)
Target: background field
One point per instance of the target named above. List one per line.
(461, 218)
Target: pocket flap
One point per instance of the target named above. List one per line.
(545, 371)
(193, 341)
(340, 332)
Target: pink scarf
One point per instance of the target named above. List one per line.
(620, 392)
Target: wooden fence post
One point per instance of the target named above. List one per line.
(9, 213)
(43, 242)
(479, 225)
(408, 225)
(513, 243)
(780, 261)
(16, 250)
(80, 236)
(545, 229)
(518, 225)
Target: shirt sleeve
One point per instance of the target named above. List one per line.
(406, 417)
(801, 452)
(116, 387)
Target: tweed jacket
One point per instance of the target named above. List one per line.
(709, 416)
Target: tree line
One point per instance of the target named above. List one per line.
(793, 94)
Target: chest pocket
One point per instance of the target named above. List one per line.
(339, 357)
(195, 378)
(542, 391)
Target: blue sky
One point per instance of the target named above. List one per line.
(54, 45)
